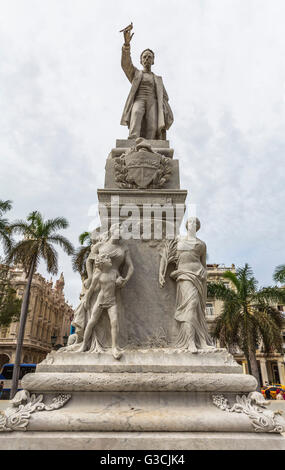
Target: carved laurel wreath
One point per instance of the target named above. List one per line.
(163, 173)
(254, 406)
(121, 173)
(16, 416)
(161, 177)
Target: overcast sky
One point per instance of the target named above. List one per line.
(62, 92)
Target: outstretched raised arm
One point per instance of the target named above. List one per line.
(126, 60)
(127, 34)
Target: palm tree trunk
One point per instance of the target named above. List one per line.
(20, 337)
(248, 364)
(255, 370)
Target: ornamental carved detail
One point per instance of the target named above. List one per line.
(254, 406)
(142, 168)
(16, 416)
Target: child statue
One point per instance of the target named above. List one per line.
(106, 279)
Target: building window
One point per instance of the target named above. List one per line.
(275, 373)
(4, 332)
(209, 309)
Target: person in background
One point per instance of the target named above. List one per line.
(280, 395)
(1, 388)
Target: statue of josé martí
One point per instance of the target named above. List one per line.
(147, 112)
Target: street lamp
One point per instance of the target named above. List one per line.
(53, 340)
(65, 339)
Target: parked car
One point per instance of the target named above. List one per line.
(271, 390)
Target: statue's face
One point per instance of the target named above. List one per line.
(147, 59)
(115, 233)
(192, 225)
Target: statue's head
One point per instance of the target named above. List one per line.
(116, 232)
(147, 58)
(95, 235)
(98, 235)
(193, 225)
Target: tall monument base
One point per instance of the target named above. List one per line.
(108, 441)
(149, 399)
(162, 385)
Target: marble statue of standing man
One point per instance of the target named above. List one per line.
(147, 112)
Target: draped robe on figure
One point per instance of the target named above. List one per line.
(191, 294)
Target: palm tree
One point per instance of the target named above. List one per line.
(4, 224)
(248, 316)
(81, 254)
(37, 243)
(279, 274)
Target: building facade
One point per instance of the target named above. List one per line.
(271, 366)
(48, 321)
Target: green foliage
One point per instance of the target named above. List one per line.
(84, 237)
(81, 254)
(247, 315)
(10, 304)
(39, 236)
(279, 274)
(5, 233)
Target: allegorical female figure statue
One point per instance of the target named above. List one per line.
(189, 255)
(147, 112)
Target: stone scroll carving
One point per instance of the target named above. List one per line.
(16, 416)
(108, 256)
(189, 256)
(141, 167)
(254, 406)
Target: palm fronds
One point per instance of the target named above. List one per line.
(5, 230)
(38, 238)
(81, 254)
(279, 274)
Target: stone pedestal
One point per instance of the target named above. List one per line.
(154, 396)
(130, 190)
(150, 390)
(150, 399)
(159, 146)
(129, 441)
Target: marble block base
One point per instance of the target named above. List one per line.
(181, 396)
(109, 441)
(147, 390)
(163, 360)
